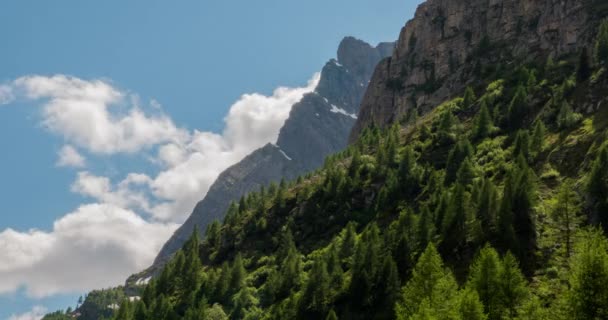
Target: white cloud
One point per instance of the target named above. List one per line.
(100, 244)
(36, 313)
(92, 115)
(6, 94)
(96, 246)
(68, 156)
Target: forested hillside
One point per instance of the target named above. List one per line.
(490, 206)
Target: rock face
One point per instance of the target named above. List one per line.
(317, 126)
(451, 41)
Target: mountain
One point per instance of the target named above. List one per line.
(450, 43)
(317, 126)
(488, 204)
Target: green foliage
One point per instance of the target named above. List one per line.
(566, 118)
(588, 281)
(597, 185)
(483, 123)
(469, 98)
(567, 215)
(340, 242)
(518, 108)
(601, 44)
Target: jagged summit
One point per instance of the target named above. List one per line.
(448, 43)
(317, 126)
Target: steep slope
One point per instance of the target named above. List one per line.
(317, 126)
(478, 209)
(448, 43)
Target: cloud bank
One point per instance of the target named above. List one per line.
(36, 313)
(122, 224)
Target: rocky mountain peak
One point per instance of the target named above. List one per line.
(451, 42)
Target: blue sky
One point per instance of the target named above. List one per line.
(195, 58)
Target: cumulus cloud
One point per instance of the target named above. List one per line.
(127, 221)
(89, 115)
(68, 156)
(6, 94)
(36, 313)
(96, 246)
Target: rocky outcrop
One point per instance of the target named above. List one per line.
(317, 126)
(450, 42)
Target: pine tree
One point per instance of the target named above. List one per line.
(334, 268)
(522, 145)
(518, 107)
(461, 151)
(505, 232)
(455, 231)
(409, 174)
(447, 122)
(566, 118)
(487, 207)
(349, 241)
(331, 315)
(389, 286)
(566, 214)
(470, 308)
(588, 282)
(237, 275)
(601, 45)
(484, 278)
(583, 70)
(538, 138)
(125, 311)
(524, 221)
(468, 99)
(315, 299)
(466, 173)
(244, 303)
(483, 123)
(513, 286)
(430, 282)
(140, 313)
(597, 185)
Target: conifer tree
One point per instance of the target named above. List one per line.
(522, 145)
(140, 313)
(430, 282)
(538, 138)
(601, 45)
(409, 174)
(469, 306)
(505, 232)
(469, 98)
(461, 151)
(518, 108)
(483, 123)
(349, 241)
(331, 315)
(484, 278)
(237, 274)
(466, 173)
(524, 221)
(513, 286)
(566, 118)
(588, 282)
(447, 122)
(487, 207)
(315, 299)
(455, 231)
(597, 185)
(566, 214)
(583, 70)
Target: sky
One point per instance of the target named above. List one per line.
(116, 116)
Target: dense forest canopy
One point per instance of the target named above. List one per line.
(492, 206)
